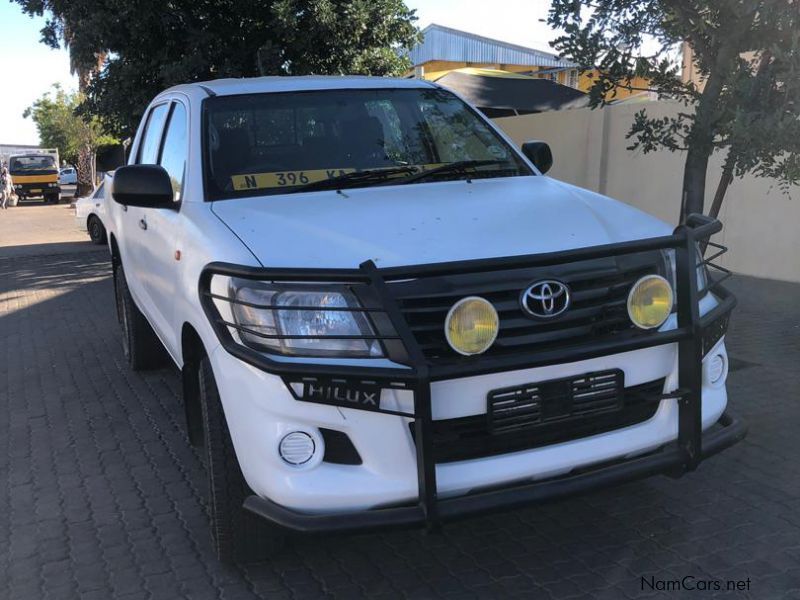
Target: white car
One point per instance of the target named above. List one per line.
(68, 176)
(90, 212)
(386, 315)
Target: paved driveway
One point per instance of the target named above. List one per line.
(33, 228)
(101, 496)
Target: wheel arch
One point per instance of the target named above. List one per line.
(116, 257)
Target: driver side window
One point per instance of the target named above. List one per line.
(174, 150)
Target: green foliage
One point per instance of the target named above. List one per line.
(60, 126)
(748, 53)
(150, 45)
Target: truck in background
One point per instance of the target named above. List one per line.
(35, 174)
(8, 150)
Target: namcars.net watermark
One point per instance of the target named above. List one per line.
(691, 583)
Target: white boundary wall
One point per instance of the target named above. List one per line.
(589, 149)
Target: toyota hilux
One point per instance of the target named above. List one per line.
(386, 314)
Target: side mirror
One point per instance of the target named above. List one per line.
(109, 157)
(147, 186)
(539, 154)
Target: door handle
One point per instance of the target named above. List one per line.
(143, 224)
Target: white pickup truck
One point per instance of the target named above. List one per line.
(386, 315)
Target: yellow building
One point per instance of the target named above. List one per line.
(445, 49)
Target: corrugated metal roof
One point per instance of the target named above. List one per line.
(444, 43)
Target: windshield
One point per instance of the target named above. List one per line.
(38, 162)
(260, 144)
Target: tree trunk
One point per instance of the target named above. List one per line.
(85, 154)
(722, 187)
(701, 143)
(730, 161)
(694, 182)
(701, 137)
(84, 167)
(724, 183)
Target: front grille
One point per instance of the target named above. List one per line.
(599, 291)
(471, 437)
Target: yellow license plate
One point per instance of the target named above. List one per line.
(35, 191)
(279, 179)
(255, 181)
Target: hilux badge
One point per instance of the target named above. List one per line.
(545, 299)
(364, 396)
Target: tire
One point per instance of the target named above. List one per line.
(142, 348)
(97, 233)
(51, 199)
(236, 535)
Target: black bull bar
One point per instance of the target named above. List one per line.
(694, 334)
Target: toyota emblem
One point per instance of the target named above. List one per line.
(545, 299)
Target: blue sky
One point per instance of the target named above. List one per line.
(31, 68)
(515, 21)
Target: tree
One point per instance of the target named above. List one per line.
(69, 23)
(60, 126)
(150, 45)
(748, 54)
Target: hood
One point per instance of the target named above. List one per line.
(429, 223)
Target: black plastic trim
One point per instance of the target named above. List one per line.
(339, 449)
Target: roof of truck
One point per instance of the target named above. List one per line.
(229, 87)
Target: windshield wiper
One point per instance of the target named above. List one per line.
(453, 167)
(356, 177)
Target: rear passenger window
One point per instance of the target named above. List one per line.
(148, 149)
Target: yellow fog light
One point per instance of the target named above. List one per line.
(471, 325)
(650, 301)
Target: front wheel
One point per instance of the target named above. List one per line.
(237, 535)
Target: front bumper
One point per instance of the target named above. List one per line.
(412, 374)
(669, 459)
(36, 189)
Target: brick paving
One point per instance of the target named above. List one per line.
(102, 497)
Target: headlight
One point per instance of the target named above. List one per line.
(668, 269)
(650, 301)
(300, 320)
(702, 272)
